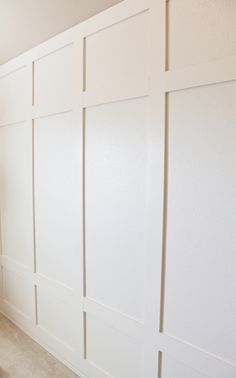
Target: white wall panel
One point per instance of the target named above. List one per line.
(111, 54)
(118, 191)
(16, 293)
(57, 317)
(114, 352)
(116, 165)
(14, 96)
(57, 202)
(201, 262)
(200, 31)
(53, 78)
(171, 368)
(16, 192)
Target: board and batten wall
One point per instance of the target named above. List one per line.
(118, 191)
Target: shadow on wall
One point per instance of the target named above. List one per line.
(3, 374)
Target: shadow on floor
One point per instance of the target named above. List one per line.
(4, 374)
(21, 357)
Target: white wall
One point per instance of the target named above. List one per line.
(118, 192)
(24, 24)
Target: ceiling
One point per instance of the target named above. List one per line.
(26, 23)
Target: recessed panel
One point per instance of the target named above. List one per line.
(58, 318)
(116, 57)
(112, 351)
(16, 292)
(57, 147)
(171, 368)
(14, 96)
(53, 78)
(200, 31)
(116, 169)
(16, 192)
(200, 284)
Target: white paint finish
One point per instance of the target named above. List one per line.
(58, 318)
(114, 352)
(16, 192)
(200, 31)
(26, 23)
(13, 288)
(116, 163)
(57, 201)
(56, 69)
(171, 368)
(116, 340)
(13, 97)
(116, 50)
(200, 301)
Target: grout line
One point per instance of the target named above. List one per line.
(36, 304)
(159, 370)
(33, 195)
(167, 37)
(84, 63)
(85, 334)
(33, 84)
(164, 227)
(84, 200)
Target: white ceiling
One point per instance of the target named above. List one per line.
(26, 23)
